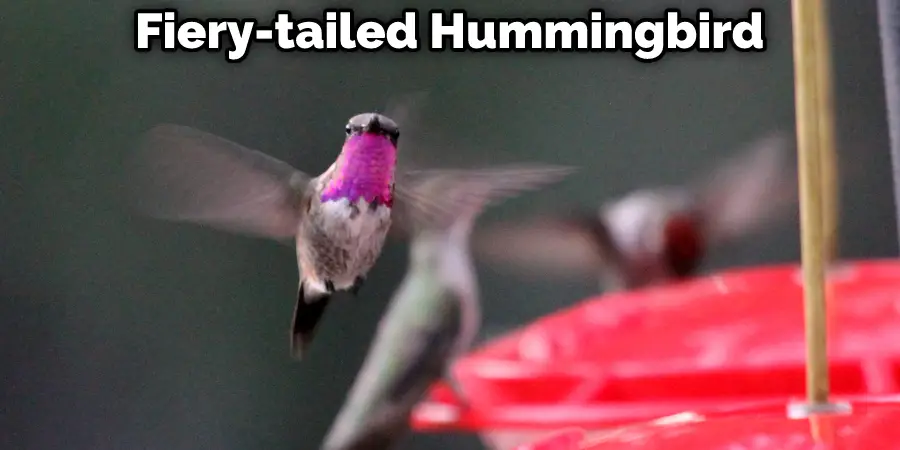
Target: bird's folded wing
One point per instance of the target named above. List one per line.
(184, 174)
(401, 365)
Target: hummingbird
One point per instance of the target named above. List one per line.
(653, 235)
(434, 315)
(338, 220)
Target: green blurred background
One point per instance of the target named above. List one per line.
(123, 333)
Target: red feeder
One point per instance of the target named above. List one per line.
(713, 345)
(872, 425)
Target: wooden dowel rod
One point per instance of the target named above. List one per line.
(809, 148)
(827, 140)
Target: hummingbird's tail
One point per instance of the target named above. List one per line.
(308, 312)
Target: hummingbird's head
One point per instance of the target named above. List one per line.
(365, 167)
(374, 125)
(659, 231)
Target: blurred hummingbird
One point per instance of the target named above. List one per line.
(434, 315)
(652, 235)
(339, 219)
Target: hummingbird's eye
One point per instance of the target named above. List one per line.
(349, 130)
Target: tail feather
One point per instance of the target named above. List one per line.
(308, 313)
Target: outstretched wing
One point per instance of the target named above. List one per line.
(183, 174)
(572, 247)
(435, 198)
(748, 191)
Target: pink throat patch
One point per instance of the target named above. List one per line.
(365, 169)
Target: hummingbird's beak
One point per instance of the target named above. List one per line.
(374, 126)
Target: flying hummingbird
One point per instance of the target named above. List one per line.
(656, 235)
(434, 315)
(339, 219)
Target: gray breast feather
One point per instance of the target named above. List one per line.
(342, 240)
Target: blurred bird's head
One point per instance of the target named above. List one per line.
(658, 231)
